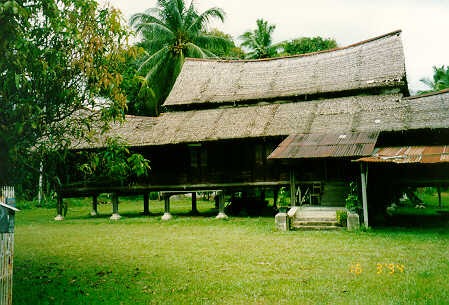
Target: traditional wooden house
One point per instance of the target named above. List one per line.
(292, 121)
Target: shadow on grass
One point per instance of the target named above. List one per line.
(418, 221)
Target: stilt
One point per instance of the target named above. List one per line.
(167, 215)
(59, 204)
(194, 205)
(363, 176)
(292, 188)
(94, 211)
(115, 214)
(146, 204)
(221, 203)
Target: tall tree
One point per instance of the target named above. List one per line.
(439, 81)
(259, 41)
(170, 32)
(58, 77)
(305, 45)
(228, 50)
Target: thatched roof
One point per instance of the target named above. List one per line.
(375, 63)
(346, 114)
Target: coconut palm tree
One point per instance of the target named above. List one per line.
(439, 81)
(170, 32)
(259, 41)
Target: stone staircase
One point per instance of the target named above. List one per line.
(314, 218)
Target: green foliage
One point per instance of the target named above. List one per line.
(283, 198)
(342, 217)
(170, 32)
(115, 162)
(306, 45)
(259, 41)
(58, 75)
(228, 50)
(353, 203)
(440, 80)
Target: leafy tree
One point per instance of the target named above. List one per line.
(439, 81)
(141, 99)
(228, 50)
(113, 163)
(58, 77)
(304, 45)
(170, 32)
(259, 41)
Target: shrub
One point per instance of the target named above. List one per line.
(353, 203)
(342, 217)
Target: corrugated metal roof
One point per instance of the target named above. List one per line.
(323, 145)
(409, 154)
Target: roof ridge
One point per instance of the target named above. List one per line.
(397, 32)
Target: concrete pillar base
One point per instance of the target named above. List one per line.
(115, 216)
(59, 218)
(93, 213)
(221, 215)
(282, 222)
(353, 221)
(166, 216)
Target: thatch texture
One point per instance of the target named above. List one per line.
(346, 114)
(375, 63)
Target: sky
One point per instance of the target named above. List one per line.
(424, 24)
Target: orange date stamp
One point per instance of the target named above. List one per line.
(381, 268)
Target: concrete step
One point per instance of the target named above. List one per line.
(305, 228)
(314, 223)
(316, 218)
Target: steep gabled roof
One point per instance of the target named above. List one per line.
(371, 64)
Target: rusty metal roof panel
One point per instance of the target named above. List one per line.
(409, 154)
(325, 145)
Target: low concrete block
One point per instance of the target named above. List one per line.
(353, 221)
(281, 221)
(166, 216)
(115, 216)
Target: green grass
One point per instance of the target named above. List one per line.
(201, 260)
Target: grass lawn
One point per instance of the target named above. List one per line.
(201, 260)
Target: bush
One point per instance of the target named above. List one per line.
(353, 203)
(342, 217)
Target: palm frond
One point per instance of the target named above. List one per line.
(204, 18)
(207, 41)
(192, 50)
(153, 61)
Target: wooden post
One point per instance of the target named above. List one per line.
(146, 204)
(292, 188)
(59, 204)
(94, 211)
(363, 176)
(115, 214)
(194, 205)
(221, 202)
(167, 215)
